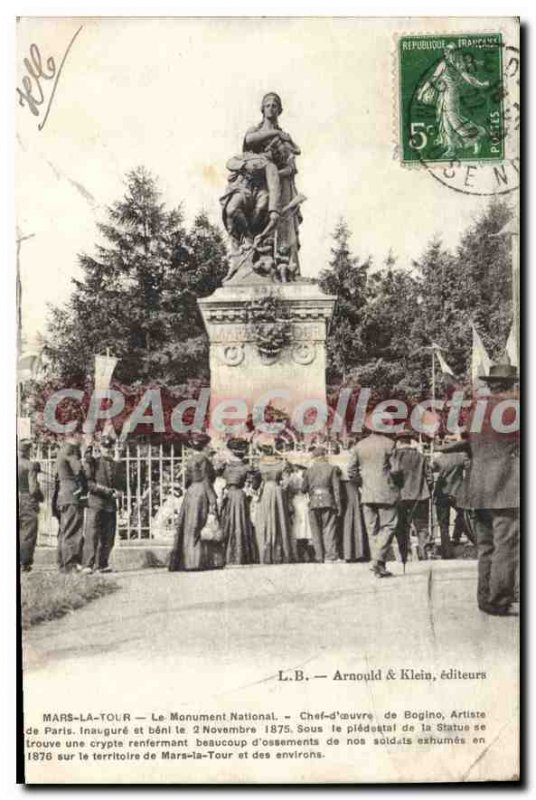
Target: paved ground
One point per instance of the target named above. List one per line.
(260, 611)
(176, 639)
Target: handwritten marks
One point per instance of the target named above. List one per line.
(40, 81)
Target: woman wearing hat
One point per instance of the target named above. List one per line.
(272, 523)
(236, 519)
(189, 551)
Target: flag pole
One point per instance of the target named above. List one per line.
(430, 508)
(433, 394)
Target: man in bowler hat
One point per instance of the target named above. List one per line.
(491, 490)
(372, 465)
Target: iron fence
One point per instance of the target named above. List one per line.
(153, 477)
(153, 481)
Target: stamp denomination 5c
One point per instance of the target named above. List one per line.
(451, 98)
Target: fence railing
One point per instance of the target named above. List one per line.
(153, 480)
(153, 477)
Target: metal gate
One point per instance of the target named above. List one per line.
(153, 477)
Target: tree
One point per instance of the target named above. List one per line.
(346, 277)
(473, 285)
(386, 364)
(137, 294)
(386, 320)
(484, 267)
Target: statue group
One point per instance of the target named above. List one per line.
(261, 206)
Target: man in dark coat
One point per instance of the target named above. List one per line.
(30, 496)
(104, 485)
(69, 499)
(414, 477)
(372, 467)
(491, 489)
(323, 485)
(449, 468)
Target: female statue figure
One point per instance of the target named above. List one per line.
(261, 186)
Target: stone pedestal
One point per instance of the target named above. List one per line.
(238, 370)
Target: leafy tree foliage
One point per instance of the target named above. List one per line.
(138, 291)
(388, 318)
(346, 278)
(137, 294)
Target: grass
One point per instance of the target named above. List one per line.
(50, 595)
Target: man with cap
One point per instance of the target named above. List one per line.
(30, 496)
(491, 488)
(372, 467)
(322, 482)
(414, 477)
(69, 500)
(104, 486)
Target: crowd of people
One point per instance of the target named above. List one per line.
(356, 505)
(324, 505)
(363, 503)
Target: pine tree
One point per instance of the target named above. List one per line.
(346, 278)
(137, 294)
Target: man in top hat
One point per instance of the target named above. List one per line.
(323, 485)
(69, 501)
(104, 486)
(372, 467)
(491, 489)
(30, 496)
(414, 477)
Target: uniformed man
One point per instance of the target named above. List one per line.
(449, 469)
(70, 499)
(30, 496)
(491, 489)
(322, 483)
(104, 486)
(372, 466)
(414, 477)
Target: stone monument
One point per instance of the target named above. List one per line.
(267, 325)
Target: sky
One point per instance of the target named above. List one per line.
(177, 95)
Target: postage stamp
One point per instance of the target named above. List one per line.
(451, 98)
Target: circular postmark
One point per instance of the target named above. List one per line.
(460, 117)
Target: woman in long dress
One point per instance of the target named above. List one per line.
(354, 540)
(272, 523)
(236, 520)
(189, 551)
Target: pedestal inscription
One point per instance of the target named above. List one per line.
(241, 370)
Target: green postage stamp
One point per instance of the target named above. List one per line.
(451, 94)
